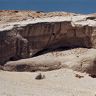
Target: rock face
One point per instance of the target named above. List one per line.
(24, 39)
(81, 59)
(51, 43)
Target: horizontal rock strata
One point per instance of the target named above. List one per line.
(24, 39)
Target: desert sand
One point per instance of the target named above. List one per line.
(62, 82)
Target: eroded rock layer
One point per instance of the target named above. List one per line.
(24, 39)
(78, 59)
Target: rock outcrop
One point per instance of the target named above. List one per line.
(51, 50)
(24, 39)
(79, 59)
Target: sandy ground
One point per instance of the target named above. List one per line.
(62, 82)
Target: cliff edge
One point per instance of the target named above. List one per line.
(28, 35)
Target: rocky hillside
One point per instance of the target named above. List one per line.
(44, 51)
(22, 38)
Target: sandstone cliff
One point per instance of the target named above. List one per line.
(51, 41)
(24, 39)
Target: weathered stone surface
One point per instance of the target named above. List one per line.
(33, 65)
(24, 39)
(16, 46)
(80, 59)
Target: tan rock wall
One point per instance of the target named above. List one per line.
(24, 42)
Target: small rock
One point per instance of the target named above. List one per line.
(93, 76)
(79, 76)
(40, 76)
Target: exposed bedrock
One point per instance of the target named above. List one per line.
(81, 59)
(23, 41)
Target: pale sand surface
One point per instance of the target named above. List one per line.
(62, 82)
